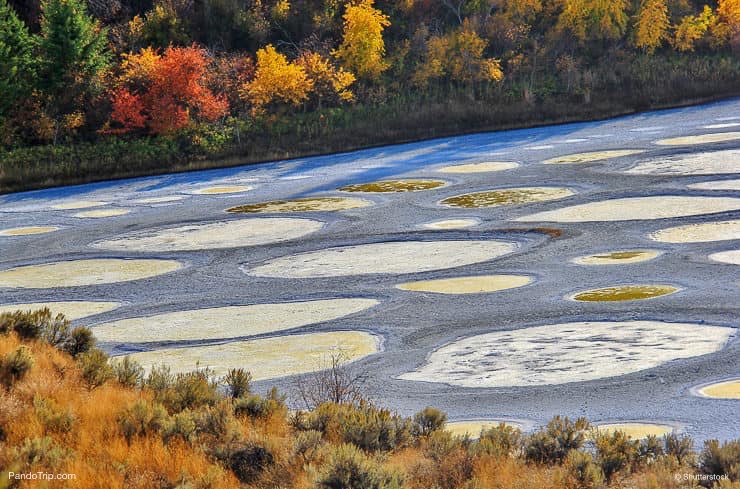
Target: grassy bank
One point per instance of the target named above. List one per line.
(65, 408)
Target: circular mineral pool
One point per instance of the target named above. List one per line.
(28, 231)
(450, 224)
(717, 137)
(625, 293)
(488, 166)
(705, 163)
(78, 204)
(393, 186)
(468, 285)
(569, 352)
(234, 189)
(729, 389)
(72, 310)
(267, 358)
(102, 213)
(622, 257)
(75, 273)
(310, 204)
(637, 431)
(731, 256)
(213, 235)
(473, 428)
(397, 257)
(704, 232)
(507, 196)
(592, 156)
(228, 322)
(637, 208)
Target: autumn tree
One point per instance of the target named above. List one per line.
(276, 79)
(595, 19)
(330, 84)
(651, 25)
(17, 61)
(74, 57)
(693, 28)
(362, 49)
(729, 13)
(164, 93)
(459, 57)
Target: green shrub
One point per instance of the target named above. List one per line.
(160, 379)
(81, 340)
(717, 460)
(217, 421)
(680, 447)
(500, 441)
(552, 444)
(309, 446)
(95, 368)
(54, 418)
(142, 419)
(41, 453)
(582, 472)
(429, 420)
(15, 365)
(128, 372)
(651, 448)
(192, 390)
(349, 468)
(441, 444)
(238, 382)
(615, 451)
(182, 425)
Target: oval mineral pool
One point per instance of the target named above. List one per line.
(592, 156)
(389, 257)
(717, 185)
(267, 358)
(717, 137)
(468, 285)
(310, 204)
(569, 352)
(507, 196)
(618, 257)
(473, 428)
(729, 389)
(704, 232)
(705, 163)
(228, 322)
(636, 431)
(78, 204)
(450, 224)
(625, 293)
(160, 200)
(731, 256)
(393, 186)
(28, 231)
(76, 273)
(213, 235)
(637, 208)
(488, 166)
(102, 213)
(71, 310)
(234, 189)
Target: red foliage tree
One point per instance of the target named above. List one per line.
(165, 93)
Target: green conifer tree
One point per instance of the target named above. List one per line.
(16, 59)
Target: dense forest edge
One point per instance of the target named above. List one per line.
(67, 408)
(95, 90)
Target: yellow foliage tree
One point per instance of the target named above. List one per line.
(729, 12)
(692, 28)
(595, 19)
(276, 79)
(363, 49)
(328, 81)
(651, 26)
(459, 57)
(523, 11)
(138, 67)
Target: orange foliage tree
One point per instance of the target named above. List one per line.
(164, 93)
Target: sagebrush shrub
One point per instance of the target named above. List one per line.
(428, 420)
(615, 451)
(53, 417)
(560, 436)
(238, 382)
(94, 368)
(716, 459)
(349, 467)
(15, 365)
(679, 446)
(582, 471)
(128, 372)
(143, 418)
(500, 441)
